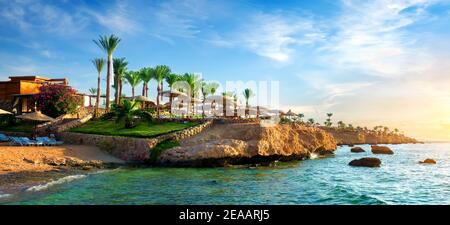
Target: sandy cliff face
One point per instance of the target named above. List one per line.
(246, 143)
(361, 137)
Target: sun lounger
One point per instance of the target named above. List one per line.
(16, 141)
(29, 142)
(49, 141)
(4, 137)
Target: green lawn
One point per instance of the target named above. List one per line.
(143, 129)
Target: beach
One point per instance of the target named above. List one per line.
(24, 166)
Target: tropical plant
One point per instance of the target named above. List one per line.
(328, 122)
(171, 79)
(341, 125)
(133, 79)
(109, 45)
(161, 71)
(213, 86)
(205, 92)
(126, 112)
(194, 83)
(92, 91)
(300, 117)
(120, 67)
(248, 93)
(146, 74)
(99, 65)
(225, 95)
(311, 122)
(57, 99)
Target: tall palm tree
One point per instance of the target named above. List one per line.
(328, 122)
(171, 79)
(300, 117)
(133, 79)
(109, 45)
(93, 91)
(205, 89)
(99, 65)
(146, 74)
(248, 93)
(213, 86)
(311, 121)
(194, 82)
(161, 71)
(225, 95)
(120, 66)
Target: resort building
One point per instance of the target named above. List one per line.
(17, 93)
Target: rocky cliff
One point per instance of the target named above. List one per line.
(345, 137)
(240, 143)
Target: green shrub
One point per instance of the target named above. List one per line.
(160, 148)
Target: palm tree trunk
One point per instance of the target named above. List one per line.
(97, 103)
(157, 101)
(116, 94)
(132, 91)
(143, 89)
(108, 82)
(170, 101)
(120, 91)
(247, 110)
(224, 107)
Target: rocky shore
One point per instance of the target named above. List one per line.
(346, 137)
(247, 143)
(251, 143)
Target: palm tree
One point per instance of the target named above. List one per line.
(93, 91)
(328, 122)
(225, 95)
(120, 66)
(126, 112)
(133, 79)
(109, 45)
(248, 93)
(99, 65)
(341, 124)
(194, 83)
(146, 74)
(311, 121)
(300, 117)
(213, 86)
(171, 79)
(205, 92)
(161, 71)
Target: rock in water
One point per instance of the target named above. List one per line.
(381, 150)
(357, 150)
(428, 161)
(366, 162)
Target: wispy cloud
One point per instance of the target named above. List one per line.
(274, 35)
(117, 18)
(32, 16)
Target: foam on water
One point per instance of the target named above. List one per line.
(5, 195)
(56, 182)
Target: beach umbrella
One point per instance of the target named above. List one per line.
(4, 112)
(35, 117)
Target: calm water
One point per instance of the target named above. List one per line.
(400, 180)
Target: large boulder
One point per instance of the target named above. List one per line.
(366, 162)
(357, 150)
(381, 150)
(428, 161)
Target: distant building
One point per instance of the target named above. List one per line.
(17, 93)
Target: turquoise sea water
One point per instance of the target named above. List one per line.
(400, 180)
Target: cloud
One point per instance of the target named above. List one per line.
(116, 18)
(275, 35)
(32, 16)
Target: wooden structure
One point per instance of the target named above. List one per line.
(17, 93)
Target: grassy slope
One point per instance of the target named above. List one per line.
(143, 129)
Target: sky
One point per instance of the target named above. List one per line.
(370, 63)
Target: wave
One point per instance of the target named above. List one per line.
(56, 182)
(5, 195)
(313, 156)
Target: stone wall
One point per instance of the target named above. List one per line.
(128, 148)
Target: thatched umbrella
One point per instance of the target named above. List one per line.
(36, 117)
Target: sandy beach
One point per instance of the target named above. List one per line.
(23, 166)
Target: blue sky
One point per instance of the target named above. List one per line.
(381, 62)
